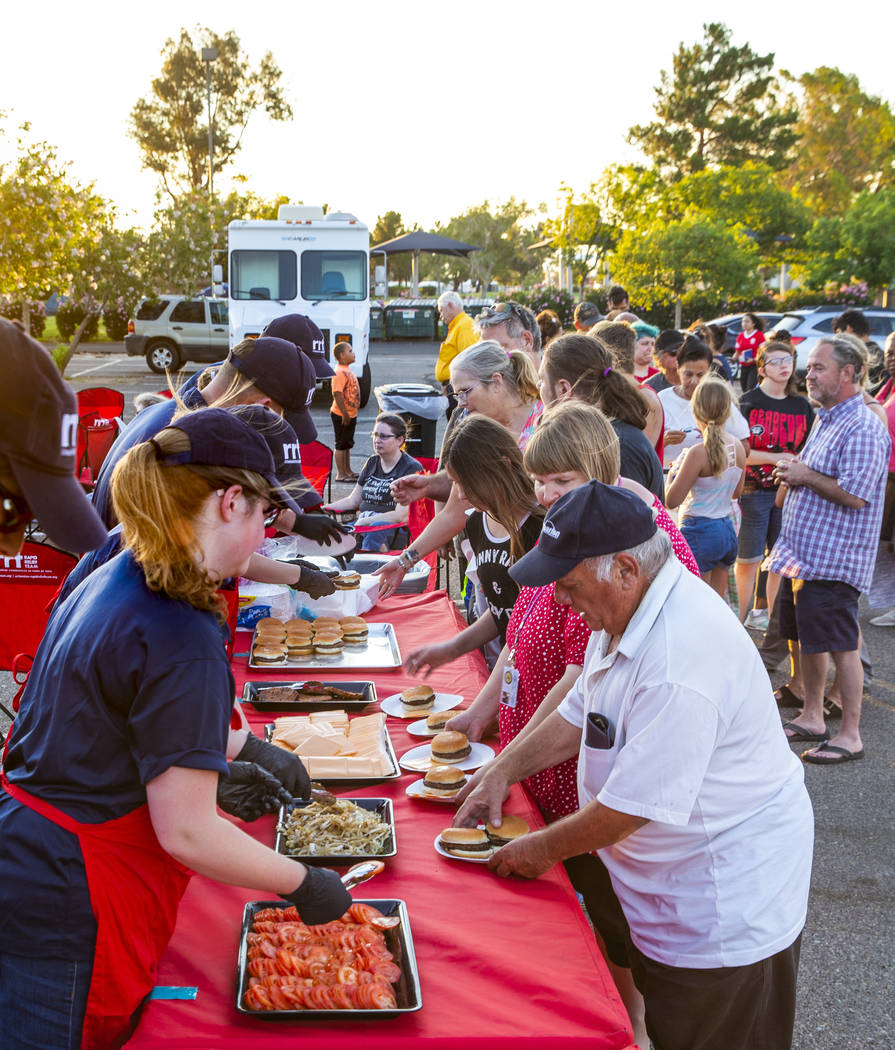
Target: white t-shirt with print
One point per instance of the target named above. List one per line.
(679, 416)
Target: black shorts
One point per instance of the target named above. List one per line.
(344, 432)
(730, 1008)
(589, 876)
(821, 615)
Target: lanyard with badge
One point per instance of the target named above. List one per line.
(509, 683)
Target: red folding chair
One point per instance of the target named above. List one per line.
(99, 422)
(317, 467)
(29, 583)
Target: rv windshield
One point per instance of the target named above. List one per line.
(262, 275)
(333, 275)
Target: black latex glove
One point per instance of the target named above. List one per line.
(318, 527)
(248, 792)
(313, 582)
(285, 766)
(321, 897)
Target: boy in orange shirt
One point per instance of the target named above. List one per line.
(343, 410)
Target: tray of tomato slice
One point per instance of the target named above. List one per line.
(363, 963)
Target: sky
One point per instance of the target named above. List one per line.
(424, 113)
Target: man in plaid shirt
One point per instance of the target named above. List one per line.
(827, 545)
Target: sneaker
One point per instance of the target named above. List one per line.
(756, 620)
(886, 619)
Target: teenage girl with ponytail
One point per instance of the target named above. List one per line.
(704, 481)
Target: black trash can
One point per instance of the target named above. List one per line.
(421, 406)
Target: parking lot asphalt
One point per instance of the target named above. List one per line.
(845, 992)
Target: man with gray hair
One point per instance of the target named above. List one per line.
(512, 325)
(827, 546)
(460, 334)
(687, 788)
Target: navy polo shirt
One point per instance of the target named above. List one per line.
(126, 683)
(142, 427)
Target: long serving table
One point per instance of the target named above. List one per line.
(504, 963)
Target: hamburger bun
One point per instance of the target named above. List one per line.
(346, 621)
(324, 621)
(465, 842)
(450, 747)
(511, 828)
(418, 698)
(439, 719)
(269, 621)
(347, 581)
(268, 654)
(298, 626)
(444, 781)
(270, 632)
(300, 646)
(327, 644)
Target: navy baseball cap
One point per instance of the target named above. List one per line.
(38, 436)
(302, 331)
(589, 521)
(279, 370)
(284, 447)
(220, 438)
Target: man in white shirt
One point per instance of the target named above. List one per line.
(694, 362)
(687, 786)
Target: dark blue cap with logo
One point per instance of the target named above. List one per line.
(277, 368)
(302, 331)
(219, 438)
(589, 521)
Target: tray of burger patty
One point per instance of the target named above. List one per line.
(309, 695)
(325, 643)
(289, 971)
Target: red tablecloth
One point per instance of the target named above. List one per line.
(503, 962)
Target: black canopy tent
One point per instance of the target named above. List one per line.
(420, 241)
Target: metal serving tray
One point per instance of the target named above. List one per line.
(381, 806)
(399, 941)
(253, 693)
(378, 653)
(341, 781)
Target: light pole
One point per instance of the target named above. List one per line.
(209, 54)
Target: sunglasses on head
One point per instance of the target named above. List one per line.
(501, 312)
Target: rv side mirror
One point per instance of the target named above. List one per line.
(217, 273)
(379, 275)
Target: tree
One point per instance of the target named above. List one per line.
(858, 246)
(389, 226)
(502, 239)
(749, 195)
(847, 141)
(170, 124)
(719, 106)
(582, 232)
(659, 263)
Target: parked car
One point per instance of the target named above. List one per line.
(734, 325)
(173, 329)
(807, 327)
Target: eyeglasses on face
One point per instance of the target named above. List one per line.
(14, 509)
(778, 361)
(463, 394)
(271, 513)
(383, 435)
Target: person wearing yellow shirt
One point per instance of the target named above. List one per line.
(460, 335)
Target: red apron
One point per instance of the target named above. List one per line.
(135, 889)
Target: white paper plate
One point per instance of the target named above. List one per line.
(469, 860)
(421, 729)
(417, 790)
(419, 759)
(443, 702)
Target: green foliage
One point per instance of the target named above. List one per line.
(847, 141)
(389, 226)
(170, 125)
(502, 237)
(858, 246)
(661, 263)
(720, 105)
(116, 314)
(543, 297)
(73, 311)
(13, 310)
(583, 231)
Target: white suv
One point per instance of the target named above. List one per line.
(807, 327)
(172, 329)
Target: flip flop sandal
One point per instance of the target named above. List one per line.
(841, 754)
(798, 735)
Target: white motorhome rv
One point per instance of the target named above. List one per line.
(303, 262)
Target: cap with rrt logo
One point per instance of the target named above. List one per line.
(302, 331)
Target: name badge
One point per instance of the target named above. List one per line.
(509, 686)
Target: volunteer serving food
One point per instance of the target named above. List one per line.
(112, 768)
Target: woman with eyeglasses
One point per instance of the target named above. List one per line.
(779, 423)
(372, 494)
(111, 776)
